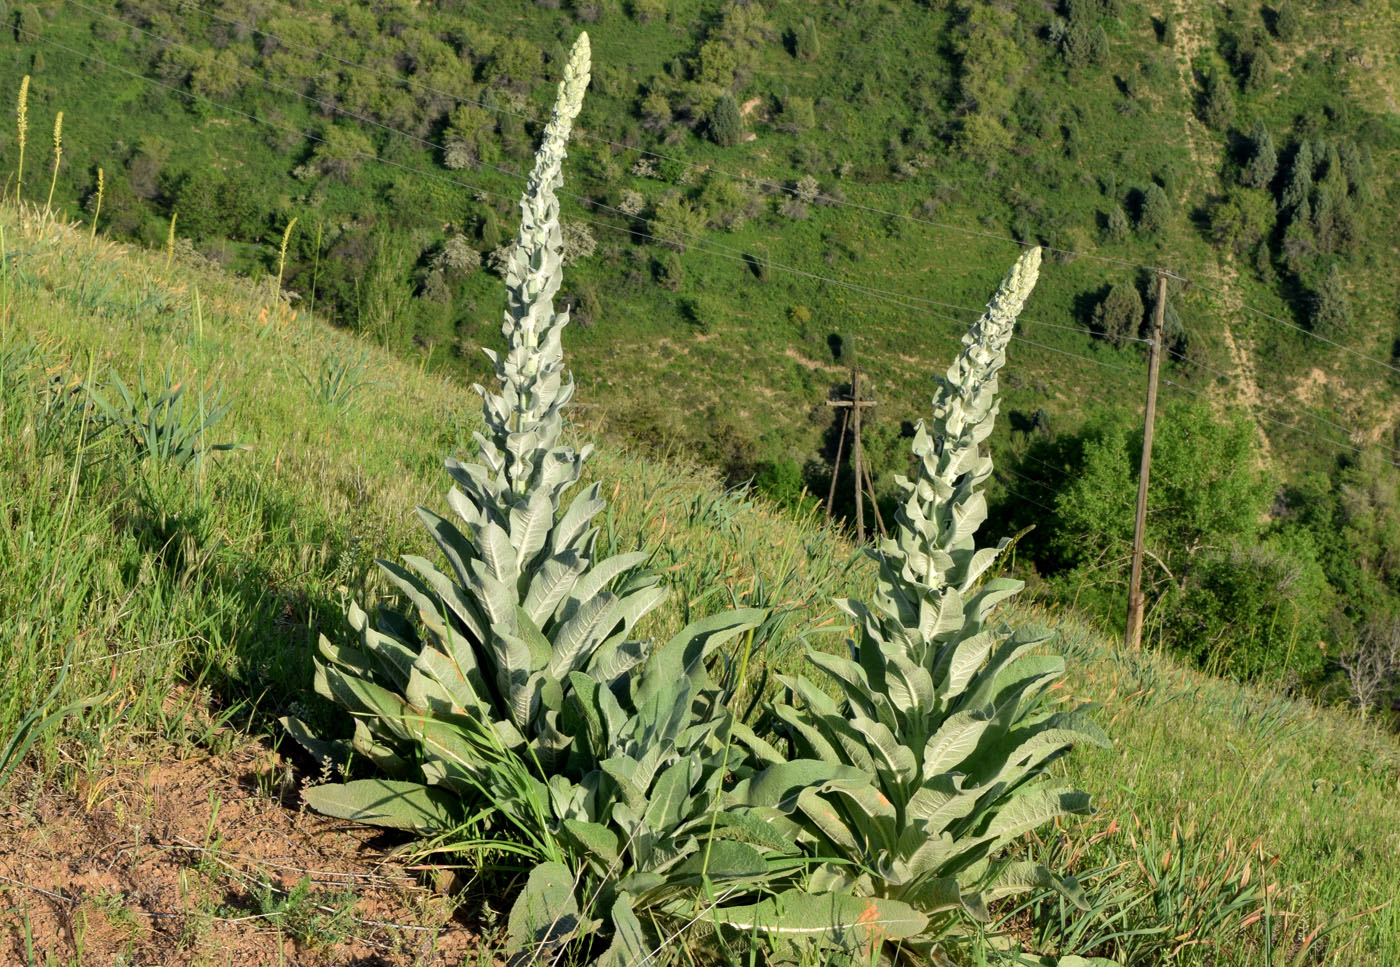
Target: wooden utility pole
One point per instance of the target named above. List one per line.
(1133, 634)
(855, 404)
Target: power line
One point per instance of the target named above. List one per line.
(736, 254)
(725, 252)
(1289, 426)
(1065, 352)
(1302, 329)
(745, 258)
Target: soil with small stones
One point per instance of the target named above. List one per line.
(199, 861)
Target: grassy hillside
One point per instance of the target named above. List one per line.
(1234, 826)
(885, 162)
(946, 127)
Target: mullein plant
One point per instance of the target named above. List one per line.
(932, 760)
(486, 663)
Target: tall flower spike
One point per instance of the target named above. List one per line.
(942, 712)
(523, 420)
(933, 544)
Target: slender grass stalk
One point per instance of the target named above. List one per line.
(315, 267)
(101, 185)
(57, 157)
(170, 240)
(282, 253)
(199, 329)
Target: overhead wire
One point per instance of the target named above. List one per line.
(746, 257)
(1246, 307)
(702, 244)
(1220, 374)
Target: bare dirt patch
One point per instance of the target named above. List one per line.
(811, 364)
(198, 862)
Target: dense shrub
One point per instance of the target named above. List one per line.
(725, 124)
(1118, 316)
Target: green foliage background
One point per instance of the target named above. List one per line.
(1111, 128)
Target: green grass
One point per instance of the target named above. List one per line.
(144, 578)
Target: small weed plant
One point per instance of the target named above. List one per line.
(158, 419)
(340, 381)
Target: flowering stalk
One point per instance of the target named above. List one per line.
(22, 126)
(57, 157)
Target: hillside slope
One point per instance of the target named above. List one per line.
(765, 194)
(931, 137)
(184, 604)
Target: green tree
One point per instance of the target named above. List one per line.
(1329, 309)
(514, 60)
(1254, 609)
(195, 197)
(1119, 316)
(1156, 211)
(667, 270)
(1241, 218)
(490, 231)
(1207, 497)
(677, 222)
(1217, 104)
(798, 114)
(1262, 165)
(1258, 70)
(1286, 22)
(780, 481)
(1116, 228)
(1300, 178)
(1206, 488)
(467, 138)
(656, 110)
(726, 126)
(645, 11)
(216, 74)
(340, 152)
(806, 42)
(990, 68)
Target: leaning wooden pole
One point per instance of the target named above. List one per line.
(1133, 633)
(836, 467)
(856, 456)
(874, 501)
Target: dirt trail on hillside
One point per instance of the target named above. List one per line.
(1190, 42)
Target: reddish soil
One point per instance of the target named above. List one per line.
(206, 860)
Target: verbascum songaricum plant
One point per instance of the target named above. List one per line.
(497, 640)
(932, 760)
